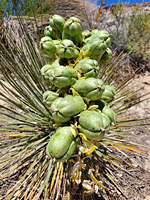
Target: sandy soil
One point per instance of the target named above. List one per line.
(136, 184)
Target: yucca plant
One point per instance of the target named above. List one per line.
(27, 126)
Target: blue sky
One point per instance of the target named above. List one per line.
(112, 2)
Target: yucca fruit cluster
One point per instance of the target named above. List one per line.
(76, 97)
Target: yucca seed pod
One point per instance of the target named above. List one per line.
(73, 26)
(88, 68)
(67, 50)
(91, 135)
(101, 34)
(56, 111)
(106, 57)
(56, 62)
(57, 23)
(63, 76)
(104, 35)
(91, 88)
(80, 86)
(70, 151)
(66, 36)
(109, 112)
(60, 142)
(92, 124)
(108, 94)
(96, 49)
(90, 39)
(50, 32)
(45, 68)
(73, 30)
(106, 122)
(91, 120)
(64, 108)
(48, 47)
(98, 34)
(49, 97)
(45, 71)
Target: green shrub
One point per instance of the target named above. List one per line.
(132, 32)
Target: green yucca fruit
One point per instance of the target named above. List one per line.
(45, 71)
(108, 94)
(62, 76)
(106, 57)
(50, 32)
(91, 120)
(49, 97)
(60, 142)
(91, 88)
(45, 68)
(48, 47)
(70, 150)
(101, 34)
(73, 30)
(73, 26)
(67, 50)
(93, 124)
(57, 43)
(95, 49)
(57, 23)
(88, 68)
(98, 34)
(106, 123)
(91, 135)
(64, 108)
(109, 112)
